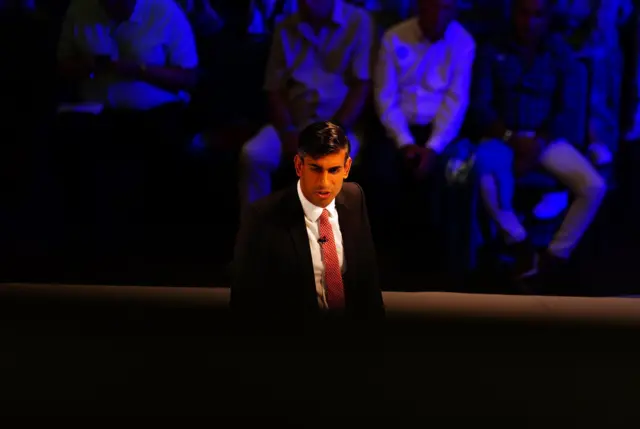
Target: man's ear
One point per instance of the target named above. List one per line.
(298, 162)
(347, 167)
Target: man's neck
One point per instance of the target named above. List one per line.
(430, 36)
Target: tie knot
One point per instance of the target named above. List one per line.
(324, 215)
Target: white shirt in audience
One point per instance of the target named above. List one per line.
(316, 68)
(418, 82)
(157, 34)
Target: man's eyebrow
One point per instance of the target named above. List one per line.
(328, 168)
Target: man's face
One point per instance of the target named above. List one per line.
(321, 179)
(119, 10)
(531, 20)
(316, 10)
(435, 16)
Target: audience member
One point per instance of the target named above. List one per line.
(307, 251)
(422, 82)
(318, 69)
(523, 104)
(591, 32)
(128, 54)
(137, 60)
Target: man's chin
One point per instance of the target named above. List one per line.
(323, 201)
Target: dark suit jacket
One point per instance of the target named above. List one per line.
(273, 272)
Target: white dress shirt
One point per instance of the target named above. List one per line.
(418, 82)
(157, 34)
(312, 220)
(315, 68)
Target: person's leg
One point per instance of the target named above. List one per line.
(259, 158)
(494, 169)
(570, 167)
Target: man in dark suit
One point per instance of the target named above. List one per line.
(306, 253)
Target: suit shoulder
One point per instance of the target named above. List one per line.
(352, 191)
(270, 206)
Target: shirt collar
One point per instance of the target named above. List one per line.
(420, 35)
(313, 212)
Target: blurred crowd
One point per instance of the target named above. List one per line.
(443, 101)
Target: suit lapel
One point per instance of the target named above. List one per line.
(300, 238)
(347, 228)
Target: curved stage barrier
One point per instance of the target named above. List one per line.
(170, 351)
(625, 311)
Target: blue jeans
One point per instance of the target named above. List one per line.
(494, 157)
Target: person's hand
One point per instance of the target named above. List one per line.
(427, 161)
(411, 154)
(421, 160)
(527, 151)
(289, 141)
(600, 154)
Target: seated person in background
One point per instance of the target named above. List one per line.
(137, 59)
(591, 29)
(128, 54)
(318, 69)
(523, 105)
(422, 82)
(307, 251)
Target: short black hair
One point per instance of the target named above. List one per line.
(321, 139)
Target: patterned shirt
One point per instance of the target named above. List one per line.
(316, 69)
(527, 97)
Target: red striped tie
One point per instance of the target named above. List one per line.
(332, 273)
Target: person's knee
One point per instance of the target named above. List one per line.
(248, 155)
(594, 189)
(491, 156)
(261, 153)
(251, 159)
